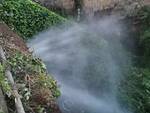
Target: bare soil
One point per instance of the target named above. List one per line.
(11, 39)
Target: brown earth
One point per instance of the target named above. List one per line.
(10, 39)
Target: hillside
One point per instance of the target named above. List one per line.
(37, 89)
(28, 72)
(89, 58)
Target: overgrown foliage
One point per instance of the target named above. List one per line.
(36, 87)
(144, 15)
(135, 89)
(27, 17)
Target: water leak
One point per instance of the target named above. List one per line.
(88, 61)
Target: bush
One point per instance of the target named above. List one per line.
(27, 17)
(145, 43)
(136, 90)
(36, 87)
(144, 15)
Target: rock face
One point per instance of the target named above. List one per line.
(92, 7)
(67, 5)
(146, 2)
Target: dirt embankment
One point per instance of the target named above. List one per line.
(12, 44)
(10, 39)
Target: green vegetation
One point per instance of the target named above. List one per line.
(37, 89)
(4, 82)
(35, 86)
(27, 65)
(27, 17)
(145, 35)
(135, 88)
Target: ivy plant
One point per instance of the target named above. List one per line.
(27, 17)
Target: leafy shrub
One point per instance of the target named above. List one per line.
(136, 90)
(26, 17)
(144, 15)
(28, 65)
(21, 63)
(37, 87)
(145, 43)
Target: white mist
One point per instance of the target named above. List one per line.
(87, 62)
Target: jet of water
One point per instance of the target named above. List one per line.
(87, 60)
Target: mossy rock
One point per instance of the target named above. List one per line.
(27, 17)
